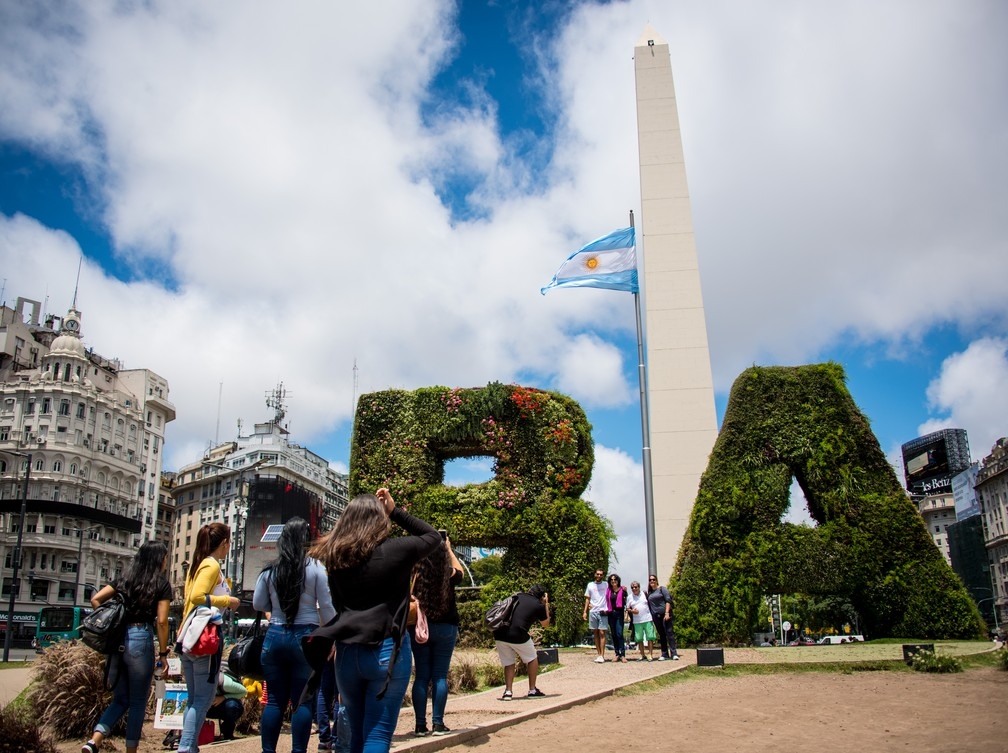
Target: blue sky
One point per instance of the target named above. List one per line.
(275, 192)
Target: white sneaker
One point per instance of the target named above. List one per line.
(599, 660)
(675, 658)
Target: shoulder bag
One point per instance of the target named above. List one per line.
(245, 659)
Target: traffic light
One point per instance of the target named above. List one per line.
(775, 614)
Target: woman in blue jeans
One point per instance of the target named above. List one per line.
(369, 578)
(147, 594)
(434, 586)
(295, 591)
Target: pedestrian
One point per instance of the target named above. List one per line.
(595, 612)
(660, 603)
(204, 586)
(369, 578)
(436, 576)
(616, 598)
(147, 595)
(641, 621)
(228, 706)
(294, 589)
(513, 641)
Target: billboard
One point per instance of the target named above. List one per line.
(930, 462)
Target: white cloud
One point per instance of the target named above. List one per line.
(846, 166)
(970, 390)
(617, 492)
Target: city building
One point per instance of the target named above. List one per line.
(256, 481)
(992, 493)
(929, 465)
(94, 435)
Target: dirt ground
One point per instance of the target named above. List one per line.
(862, 711)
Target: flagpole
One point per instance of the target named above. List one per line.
(649, 524)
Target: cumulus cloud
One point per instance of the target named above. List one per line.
(970, 393)
(281, 169)
(617, 492)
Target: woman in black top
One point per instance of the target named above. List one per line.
(369, 579)
(437, 574)
(147, 594)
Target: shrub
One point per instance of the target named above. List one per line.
(929, 661)
(1002, 658)
(19, 732)
(463, 676)
(68, 694)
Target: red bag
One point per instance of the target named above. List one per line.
(208, 643)
(206, 733)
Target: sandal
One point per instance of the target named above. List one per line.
(508, 695)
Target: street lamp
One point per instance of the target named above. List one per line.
(17, 552)
(240, 502)
(80, 554)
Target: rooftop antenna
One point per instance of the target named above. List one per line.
(77, 282)
(353, 405)
(277, 400)
(220, 391)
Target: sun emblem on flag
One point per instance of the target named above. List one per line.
(592, 263)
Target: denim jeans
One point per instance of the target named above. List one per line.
(329, 714)
(196, 670)
(132, 686)
(229, 711)
(286, 671)
(431, 660)
(616, 631)
(324, 702)
(360, 675)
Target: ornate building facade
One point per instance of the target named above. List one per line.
(89, 437)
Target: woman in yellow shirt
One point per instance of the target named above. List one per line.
(204, 586)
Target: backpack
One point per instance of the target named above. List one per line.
(105, 628)
(499, 615)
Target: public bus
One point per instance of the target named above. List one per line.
(57, 624)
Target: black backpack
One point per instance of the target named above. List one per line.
(499, 615)
(104, 629)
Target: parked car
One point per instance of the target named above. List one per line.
(828, 640)
(802, 640)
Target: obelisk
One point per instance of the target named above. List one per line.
(682, 417)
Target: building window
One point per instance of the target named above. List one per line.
(46, 405)
(39, 464)
(80, 410)
(57, 466)
(39, 590)
(64, 408)
(4, 433)
(66, 591)
(30, 410)
(49, 529)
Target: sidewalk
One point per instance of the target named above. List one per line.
(577, 680)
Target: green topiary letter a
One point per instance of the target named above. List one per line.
(870, 544)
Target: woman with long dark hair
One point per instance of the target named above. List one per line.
(369, 578)
(434, 583)
(616, 599)
(204, 587)
(147, 595)
(294, 590)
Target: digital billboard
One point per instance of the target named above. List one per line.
(930, 462)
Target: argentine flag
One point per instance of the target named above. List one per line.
(609, 262)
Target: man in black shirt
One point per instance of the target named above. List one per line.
(513, 641)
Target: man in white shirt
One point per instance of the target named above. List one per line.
(595, 612)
